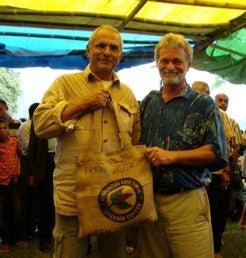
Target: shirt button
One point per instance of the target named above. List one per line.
(105, 140)
(105, 121)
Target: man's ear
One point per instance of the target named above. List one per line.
(189, 65)
(88, 51)
(121, 55)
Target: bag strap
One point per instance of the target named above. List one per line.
(96, 130)
(95, 142)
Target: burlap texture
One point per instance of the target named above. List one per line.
(114, 191)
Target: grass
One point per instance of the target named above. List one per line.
(235, 242)
(234, 239)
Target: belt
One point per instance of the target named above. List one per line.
(172, 191)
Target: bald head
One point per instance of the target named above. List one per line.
(200, 86)
(222, 101)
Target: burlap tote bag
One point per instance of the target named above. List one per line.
(113, 190)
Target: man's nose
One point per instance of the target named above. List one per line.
(107, 50)
(170, 66)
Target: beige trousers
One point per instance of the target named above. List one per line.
(183, 228)
(68, 245)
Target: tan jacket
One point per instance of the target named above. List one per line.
(73, 136)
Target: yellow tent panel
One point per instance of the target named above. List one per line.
(215, 28)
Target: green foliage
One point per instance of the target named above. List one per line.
(218, 82)
(10, 88)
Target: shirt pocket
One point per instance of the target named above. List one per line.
(126, 114)
(82, 131)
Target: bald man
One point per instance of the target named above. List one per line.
(200, 86)
(220, 180)
(222, 101)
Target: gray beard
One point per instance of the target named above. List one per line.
(171, 80)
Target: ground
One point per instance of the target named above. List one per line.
(234, 247)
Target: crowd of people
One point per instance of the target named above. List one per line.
(193, 150)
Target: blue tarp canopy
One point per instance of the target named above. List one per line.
(64, 49)
(55, 34)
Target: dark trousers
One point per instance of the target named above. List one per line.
(219, 206)
(29, 214)
(10, 213)
(45, 204)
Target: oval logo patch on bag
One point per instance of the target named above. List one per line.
(121, 200)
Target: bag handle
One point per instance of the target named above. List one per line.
(126, 140)
(96, 132)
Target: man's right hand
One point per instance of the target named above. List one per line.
(98, 99)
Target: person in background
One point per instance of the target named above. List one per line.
(25, 128)
(244, 136)
(217, 189)
(66, 112)
(185, 134)
(222, 101)
(27, 191)
(243, 146)
(41, 165)
(10, 201)
(242, 221)
(200, 86)
(237, 187)
(14, 124)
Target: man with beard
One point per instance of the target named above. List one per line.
(185, 134)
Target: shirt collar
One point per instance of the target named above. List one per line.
(186, 93)
(91, 76)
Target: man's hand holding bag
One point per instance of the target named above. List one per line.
(113, 190)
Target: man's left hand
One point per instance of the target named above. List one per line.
(158, 156)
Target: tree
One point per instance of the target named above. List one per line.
(10, 88)
(218, 82)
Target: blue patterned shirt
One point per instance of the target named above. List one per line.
(188, 121)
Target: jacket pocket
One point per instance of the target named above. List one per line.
(127, 116)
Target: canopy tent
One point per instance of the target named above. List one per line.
(55, 33)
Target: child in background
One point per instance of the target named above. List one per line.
(10, 202)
